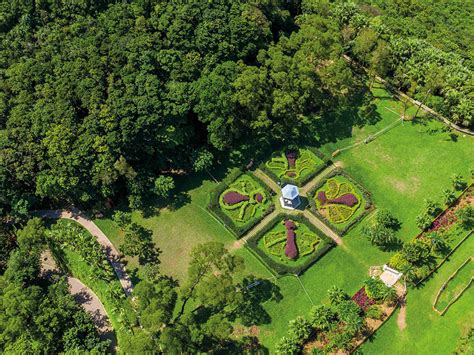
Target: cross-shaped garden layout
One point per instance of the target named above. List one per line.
(290, 240)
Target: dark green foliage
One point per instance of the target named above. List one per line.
(283, 269)
(387, 219)
(377, 290)
(138, 242)
(163, 186)
(465, 216)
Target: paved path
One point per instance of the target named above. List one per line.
(85, 297)
(242, 241)
(111, 252)
(307, 188)
(267, 180)
(323, 227)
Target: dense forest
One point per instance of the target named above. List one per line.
(106, 101)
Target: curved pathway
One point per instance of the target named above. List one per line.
(84, 296)
(111, 252)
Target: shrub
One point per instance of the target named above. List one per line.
(362, 299)
(458, 182)
(465, 216)
(374, 312)
(322, 317)
(163, 186)
(387, 219)
(379, 235)
(423, 221)
(299, 329)
(449, 197)
(288, 345)
(337, 295)
(122, 219)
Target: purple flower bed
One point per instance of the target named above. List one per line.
(291, 157)
(346, 199)
(444, 220)
(233, 197)
(258, 197)
(362, 300)
(322, 197)
(290, 250)
(291, 174)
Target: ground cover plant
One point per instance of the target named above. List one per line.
(240, 201)
(294, 165)
(289, 244)
(340, 201)
(455, 286)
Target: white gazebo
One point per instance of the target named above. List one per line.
(290, 198)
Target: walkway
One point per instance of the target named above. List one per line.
(85, 297)
(111, 252)
(311, 184)
(323, 227)
(267, 180)
(242, 241)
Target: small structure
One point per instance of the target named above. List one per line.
(390, 276)
(290, 198)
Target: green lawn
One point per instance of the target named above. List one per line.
(455, 285)
(426, 331)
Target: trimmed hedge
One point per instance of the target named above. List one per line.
(215, 209)
(299, 181)
(252, 243)
(369, 206)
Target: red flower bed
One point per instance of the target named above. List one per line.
(362, 300)
(233, 197)
(258, 197)
(290, 250)
(444, 220)
(346, 199)
(291, 157)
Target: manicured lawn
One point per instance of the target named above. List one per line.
(176, 232)
(426, 331)
(455, 285)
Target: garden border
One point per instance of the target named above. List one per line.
(298, 182)
(214, 208)
(369, 205)
(443, 287)
(279, 269)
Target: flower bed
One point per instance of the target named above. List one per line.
(294, 165)
(340, 201)
(362, 299)
(289, 244)
(240, 202)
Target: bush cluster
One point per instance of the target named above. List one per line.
(298, 181)
(365, 194)
(215, 208)
(280, 269)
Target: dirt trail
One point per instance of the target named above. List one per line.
(111, 252)
(402, 315)
(307, 188)
(323, 227)
(267, 180)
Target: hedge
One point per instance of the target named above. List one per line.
(252, 243)
(215, 209)
(369, 206)
(300, 181)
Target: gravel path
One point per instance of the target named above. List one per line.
(323, 227)
(111, 252)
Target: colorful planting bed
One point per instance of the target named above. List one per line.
(340, 201)
(240, 202)
(294, 165)
(290, 244)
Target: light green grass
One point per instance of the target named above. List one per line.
(427, 332)
(456, 285)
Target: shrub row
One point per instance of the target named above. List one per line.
(252, 243)
(301, 181)
(365, 193)
(215, 209)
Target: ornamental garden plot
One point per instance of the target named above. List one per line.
(240, 202)
(340, 201)
(290, 244)
(294, 165)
